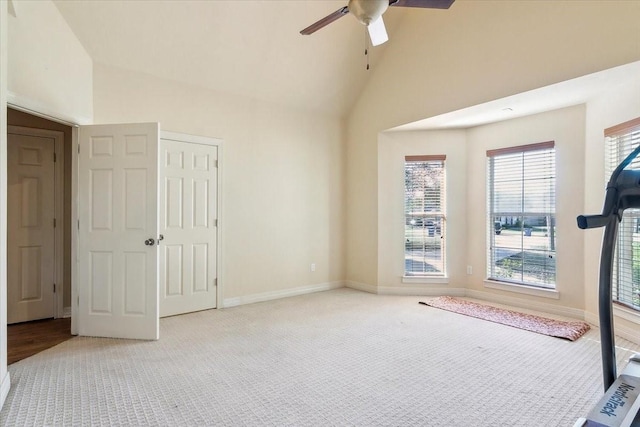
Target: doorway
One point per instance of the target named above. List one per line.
(39, 215)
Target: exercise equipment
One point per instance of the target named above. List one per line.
(620, 404)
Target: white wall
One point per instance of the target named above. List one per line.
(49, 70)
(283, 205)
(567, 128)
(475, 52)
(4, 374)
(392, 148)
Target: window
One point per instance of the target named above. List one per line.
(620, 141)
(522, 215)
(424, 216)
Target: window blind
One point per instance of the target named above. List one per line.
(424, 180)
(521, 215)
(620, 140)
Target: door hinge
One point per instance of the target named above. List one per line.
(215, 282)
(54, 157)
(54, 223)
(215, 222)
(54, 288)
(78, 224)
(78, 148)
(215, 164)
(78, 300)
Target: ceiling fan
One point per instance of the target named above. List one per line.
(369, 13)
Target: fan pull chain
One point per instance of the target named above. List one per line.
(366, 47)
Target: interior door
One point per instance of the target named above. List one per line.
(118, 228)
(188, 224)
(30, 231)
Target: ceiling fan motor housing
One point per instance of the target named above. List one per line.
(367, 11)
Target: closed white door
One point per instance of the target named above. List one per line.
(118, 228)
(30, 228)
(188, 223)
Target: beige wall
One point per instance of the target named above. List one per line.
(567, 128)
(466, 203)
(473, 53)
(49, 70)
(283, 177)
(392, 148)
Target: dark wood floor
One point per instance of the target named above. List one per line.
(28, 338)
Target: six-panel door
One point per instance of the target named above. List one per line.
(188, 223)
(118, 211)
(30, 231)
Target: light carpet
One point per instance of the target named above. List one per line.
(336, 358)
(571, 330)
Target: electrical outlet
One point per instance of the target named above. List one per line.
(313, 266)
(469, 270)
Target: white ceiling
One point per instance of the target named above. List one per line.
(253, 48)
(571, 92)
(244, 47)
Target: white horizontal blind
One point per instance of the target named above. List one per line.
(424, 180)
(521, 215)
(620, 141)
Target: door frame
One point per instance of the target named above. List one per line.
(219, 143)
(28, 106)
(59, 231)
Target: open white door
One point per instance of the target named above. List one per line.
(189, 225)
(118, 230)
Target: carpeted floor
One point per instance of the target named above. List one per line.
(333, 358)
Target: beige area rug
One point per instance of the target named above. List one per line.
(529, 322)
(336, 358)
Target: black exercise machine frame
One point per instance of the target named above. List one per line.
(623, 192)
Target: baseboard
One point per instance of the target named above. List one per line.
(592, 318)
(627, 333)
(66, 312)
(573, 313)
(430, 290)
(285, 293)
(359, 286)
(4, 389)
(417, 290)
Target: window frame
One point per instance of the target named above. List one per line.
(440, 217)
(548, 280)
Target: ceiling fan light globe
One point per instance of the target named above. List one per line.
(367, 11)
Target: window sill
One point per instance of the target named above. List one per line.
(426, 279)
(522, 289)
(626, 313)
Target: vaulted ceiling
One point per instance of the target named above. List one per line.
(248, 48)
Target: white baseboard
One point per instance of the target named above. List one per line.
(591, 318)
(430, 290)
(359, 286)
(627, 333)
(573, 313)
(66, 312)
(4, 389)
(417, 290)
(268, 296)
(622, 330)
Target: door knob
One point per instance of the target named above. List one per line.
(149, 242)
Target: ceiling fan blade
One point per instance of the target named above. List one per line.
(377, 32)
(428, 4)
(325, 21)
